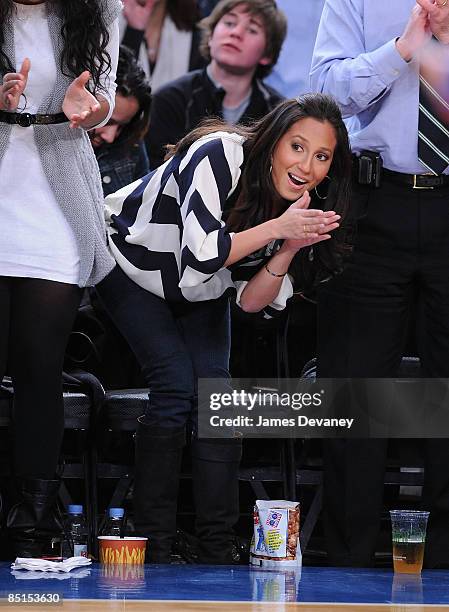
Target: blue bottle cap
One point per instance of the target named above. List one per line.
(75, 509)
(116, 512)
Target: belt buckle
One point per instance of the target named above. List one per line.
(24, 120)
(415, 186)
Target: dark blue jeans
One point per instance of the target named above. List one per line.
(175, 344)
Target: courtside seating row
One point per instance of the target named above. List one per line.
(91, 412)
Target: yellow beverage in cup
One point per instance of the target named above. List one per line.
(408, 557)
(408, 538)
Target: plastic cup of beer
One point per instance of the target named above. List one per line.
(408, 529)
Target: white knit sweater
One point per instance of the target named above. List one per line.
(62, 184)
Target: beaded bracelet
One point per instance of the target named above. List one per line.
(273, 273)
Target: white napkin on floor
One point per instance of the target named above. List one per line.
(36, 575)
(43, 565)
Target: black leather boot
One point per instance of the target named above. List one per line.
(158, 465)
(33, 527)
(215, 474)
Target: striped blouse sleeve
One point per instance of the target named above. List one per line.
(208, 175)
(244, 270)
(279, 302)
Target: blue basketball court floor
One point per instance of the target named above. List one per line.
(204, 588)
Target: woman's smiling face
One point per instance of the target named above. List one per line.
(302, 157)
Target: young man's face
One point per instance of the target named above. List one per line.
(124, 111)
(238, 41)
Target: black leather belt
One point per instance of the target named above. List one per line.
(26, 119)
(417, 181)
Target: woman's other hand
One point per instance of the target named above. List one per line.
(14, 84)
(137, 12)
(79, 103)
(304, 226)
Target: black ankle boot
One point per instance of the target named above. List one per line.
(158, 464)
(33, 527)
(215, 475)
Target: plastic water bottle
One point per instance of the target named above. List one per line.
(77, 529)
(114, 524)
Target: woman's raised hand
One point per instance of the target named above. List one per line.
(78, 102)
(14, 84)
(137, 12)
(300, 226)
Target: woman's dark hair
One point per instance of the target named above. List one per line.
(273, 19)
(132, 81)
(84, 34)
(258, 199)
(184, 13)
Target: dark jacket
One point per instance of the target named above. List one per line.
(180, 106)
(121, 164)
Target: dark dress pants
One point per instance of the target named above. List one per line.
(400, 265)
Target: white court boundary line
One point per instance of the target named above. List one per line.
(253, 602)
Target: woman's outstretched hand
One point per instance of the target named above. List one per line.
(297, 226)
(300, 226)
(79, 103)
(14, 84)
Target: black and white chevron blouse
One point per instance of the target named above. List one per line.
(166, 230)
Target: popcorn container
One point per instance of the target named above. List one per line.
(127, 550)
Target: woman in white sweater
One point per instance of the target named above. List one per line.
(57, 82)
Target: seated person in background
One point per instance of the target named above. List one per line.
(242, 40)
(118, 145)
(163, 36)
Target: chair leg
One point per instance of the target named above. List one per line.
(311, 518)
(121, 491)
(288, 468)
(91, 460)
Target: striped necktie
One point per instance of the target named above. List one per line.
(433, 131)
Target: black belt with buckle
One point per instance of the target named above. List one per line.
(26, 119)
(417, 181)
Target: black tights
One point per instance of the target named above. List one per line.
(36, 317)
